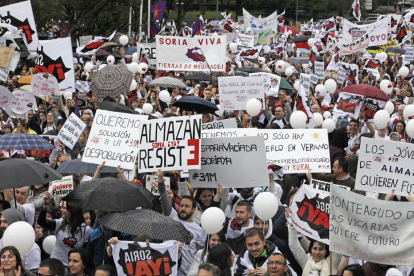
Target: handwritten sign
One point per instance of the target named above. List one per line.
(6, 97)
(409, 53)
(151, 184)
(244, 41)
(271, 83)
(4, 73)
(222, 124)
(61, 188)
(24, 101)
(113, 139)
(71, 131)
(44, 84)
(320, 70)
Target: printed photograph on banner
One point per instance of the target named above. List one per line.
(60, 188)
(71, 131)
(170, 144)
(310, 213)
(232, 162)
(222, 124)
(151, 183)
(377, 31)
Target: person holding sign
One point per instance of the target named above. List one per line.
(339, 176)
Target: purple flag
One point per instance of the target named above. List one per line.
(158, 9)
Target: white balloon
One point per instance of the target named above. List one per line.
(389, 107)
(330, 85)
(403, 72)
(261, 60)
(268, 70)
(133, 67)
(296, 85)
(267, 49)
(135, 57)
(219, 112)
(133, 85)
(123, 39)
(20, 235)
(248, 30)
(321, 89)
(102, 66)
(386, 86)
(381, 119)
(212, 220)
(49, 244)
(233, 46)
(317, 117)
(165, 96)
(265, 205)
(110, 59)
(409, 128)
(408, 111)
(142, 68)
(147, 108)
(298, 119)
(88, 66)
(13, 45)
(311, 41)
(253, 107)
(329, 124)
(289, 71)
(383, 56)
(327, 114)
(280, 66)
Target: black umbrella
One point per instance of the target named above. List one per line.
(137, 222)
(249, 69)
(16, 173)
(301, 38)
(196, 104)
(199, 77)
(77, 166)
(110, 194)
(116, 107)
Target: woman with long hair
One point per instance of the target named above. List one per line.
(11, 263)
(399, 127)
(80, 262)
(222, 257)
(70, 230)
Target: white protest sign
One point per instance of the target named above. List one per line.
(355, 46)
(136, 258)
(236, 91)
(44, 84)
(384, 166)
(320, 70)
(372, 230)
(310, 213)
(377, 31)
(61, 188)
(151, 52)
(200, 53)
(244, 41)
(297, 150)
(271, 83)
(409, 53)
(4, 73)
(24, 101)
(170, 144)
(314, 78)
(14, 61)
(114, 139)
(325, 186)
(3, 42)
(305, 79)
(340, 78)
(71, 130)
(82, 86)
(6, 97)
(233, 162)
(151, 183)
(85, 40)
(222, 124)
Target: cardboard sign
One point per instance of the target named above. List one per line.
(24, 101)
(222, 124)
(200, 53)
(170, 144)
(151, 184)
(71, 131)
(60, 188)
(244, 41)
(6, 55)
(236, 91)
(310, 213)
(320, 70)
(233, 162)
(113, 139)
(372, 230)
(44, 84)
(136, 258)
(297, 150)
(325, 186)
(271, 83)
(384, 166)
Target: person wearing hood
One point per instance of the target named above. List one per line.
(30, 260)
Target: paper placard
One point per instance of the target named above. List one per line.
(61, 188)
(170, 144)
(244, 41)
(44, 84)
(320, 70)
(409, 53)
(271, 83)
(24, 101)
(4, 73)
(222, 124)
(114, 139)
(233, 162)
(151, 184)
(82, 86)
(325, 186)
(71, 131)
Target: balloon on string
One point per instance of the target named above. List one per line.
(329, 124)
(298, 119)
(6, 97)
(389, 107)
(280, 66)
(110, 59)
(317, 117)
(21, 235)
(165, 96)
(327, 114)
(142, 68)
(123, 39)
(409, 128)
(381, 119)
(253, 107)
(321, 89)
(135, 57)
(289, 71)
(233, 46)
(265, 205)
(404, 71)
(88, 67)
(261, 60)
(408, 112)
(147, 108)
(133, 85)
(330, 85)
(386, 86)
(49, 244)
(296, 85)
(133, 67)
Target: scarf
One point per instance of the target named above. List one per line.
(318, 269)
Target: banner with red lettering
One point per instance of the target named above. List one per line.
(55, 57)
(199, 53)
(310, 213)
(349, 104)
(140, 258)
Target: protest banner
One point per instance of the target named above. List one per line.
(382, 48)
(170, 144)
(372, 230)
(320, 70)
(271, 83)
(233, 162)
(409, 53)
(251, 54)
(371, 106)
(314, 78)
(355, 46)
(325, 186)
(384, 166)
(6, 55)
(264, 29)
(341, 77)
(236, 91)
(297, 150)
(151, 52)
(3, 41)
(298, 60)
(244, 41)
(61, 188)
(305, 80)
(55, 57)
(228, 123)
(93, 45)
(44, 84)
(71, 131)
(151, 183)
(348, 103)
(113, 139)
(85, 40)
(140, 258)
(200, 53)
(377, 31)
(14, 61)
(23, 102)
(310, 213)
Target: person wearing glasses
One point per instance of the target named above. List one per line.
(277, 266)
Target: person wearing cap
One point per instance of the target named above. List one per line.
(7, 128)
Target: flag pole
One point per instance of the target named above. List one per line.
(149, 20)
(140, 17)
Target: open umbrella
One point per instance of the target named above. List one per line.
(199, 77)
(22, 141)
(366, 90)
(196, 104)
(137, 222)
(16, 173)
(238, 73)
(101, 53)
(168, 82)
(110, 194)
(116, 107)
(284, 84)
(111, 80)
(77, 166)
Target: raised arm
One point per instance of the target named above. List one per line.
(165, 201)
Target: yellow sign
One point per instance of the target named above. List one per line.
(381, 48)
